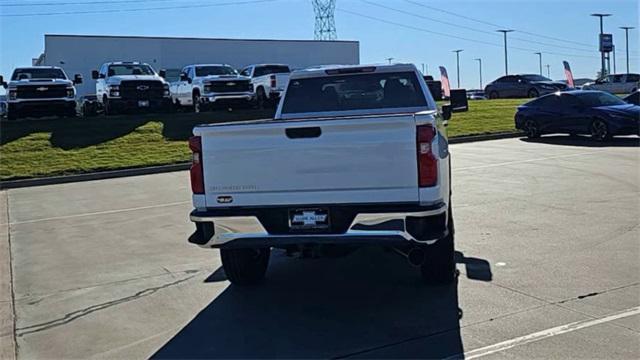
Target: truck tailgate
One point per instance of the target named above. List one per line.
(354, 160)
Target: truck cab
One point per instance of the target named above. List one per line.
(130, 86)
(206, 86)
(40, 91)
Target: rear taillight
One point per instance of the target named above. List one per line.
(197, 179)
(427, 161)
(273, 81)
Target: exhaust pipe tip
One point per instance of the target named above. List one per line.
(416, 256)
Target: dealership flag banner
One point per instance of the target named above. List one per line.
(446, 87)
(568, 74)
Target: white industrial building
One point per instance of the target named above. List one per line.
(79, 54)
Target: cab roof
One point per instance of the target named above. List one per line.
(329, 70)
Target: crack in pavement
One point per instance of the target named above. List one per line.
(67, 318)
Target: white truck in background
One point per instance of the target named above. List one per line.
(40, 91)
(205, 86)
(355, 156)
(269, 82)
(124, 86)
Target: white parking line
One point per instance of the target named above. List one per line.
(100, 213)
(525, 161)
(544, 334)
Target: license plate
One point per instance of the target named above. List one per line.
(143, 103)
(309, 219)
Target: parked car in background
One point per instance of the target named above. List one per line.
(633, 98)
(3, 105)
(204, 86)
(476, 95)
(597, 113)
(313, 176)
(268, 80)
(520, 86)
(88, 105)
(127, 86)
(40, 91)
(615, 83)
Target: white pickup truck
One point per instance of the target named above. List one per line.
(269, 82)
(356, 155)
(205, 86)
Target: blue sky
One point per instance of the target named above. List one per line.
(413, 40)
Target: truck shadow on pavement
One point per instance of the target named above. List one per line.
(370, 304)
(585, 141)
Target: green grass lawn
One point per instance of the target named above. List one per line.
(37, 148)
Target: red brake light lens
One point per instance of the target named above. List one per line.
(197, 177)
(427, 161)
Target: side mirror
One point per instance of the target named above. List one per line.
(95, 74)
(162, 73)
(2, 82)
(458, 100)
(183, 77)
(77, 79)
(446, 111)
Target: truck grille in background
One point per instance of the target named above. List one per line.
(41, 91)
(141, 90)
(230, 86)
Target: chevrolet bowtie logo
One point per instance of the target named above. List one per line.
(230, 83)
(142, 87)
(42, 88)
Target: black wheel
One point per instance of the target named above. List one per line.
(12, 114)
(439, 267)
(493, 95)
(261, 98)
(108, 107)
(196, 103)
(245, 266)
(533, 93)
(531, 129)
(599, 130)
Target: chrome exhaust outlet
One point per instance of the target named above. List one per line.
(416, 256)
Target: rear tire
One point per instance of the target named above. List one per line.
(599, 130)
(245, 266)
(532, 129)
(439, 267)
(533, 93)
(494, 95)
(261, 98)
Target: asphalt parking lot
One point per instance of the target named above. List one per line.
(548, 241)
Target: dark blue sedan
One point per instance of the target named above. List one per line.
(596, 113)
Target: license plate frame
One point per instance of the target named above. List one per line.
(143, 103)
(309, 219)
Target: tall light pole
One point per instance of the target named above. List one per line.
(614, 58)
(506, 66)
(548, 70)
(389, 59)
(480, 69)
(458, 65)
(626, 36)
(603, 71)
(540, 58)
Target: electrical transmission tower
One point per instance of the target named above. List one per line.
(325, 23)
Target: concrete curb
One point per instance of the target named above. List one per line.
(12, 184)
(7, 311)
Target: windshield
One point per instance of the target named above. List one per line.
(131, 69)
(354, 92)
(215, 70)
(34, 73)
(536, 78)
(600, 99)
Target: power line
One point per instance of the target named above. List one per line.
(24, 4)
(470, 28)
(494, 25)
(105, 11)
(475, 41)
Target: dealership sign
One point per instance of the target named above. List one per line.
(606, 42)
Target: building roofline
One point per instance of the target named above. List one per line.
(194, 38)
